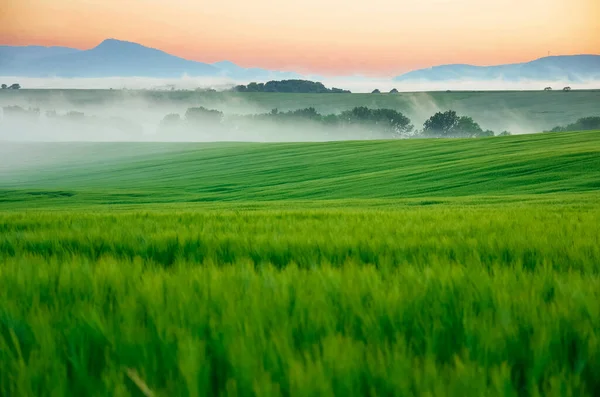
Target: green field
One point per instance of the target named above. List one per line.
(406, 267)
(515, 111)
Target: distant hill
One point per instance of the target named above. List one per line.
(115, 58)
(574, 68)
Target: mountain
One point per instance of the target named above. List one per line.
(115, 58)
(110, 58)
(574, 68)
(13, 57)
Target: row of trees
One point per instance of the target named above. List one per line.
(386, 120)
(392, 91)
(11, 87)
(390, 122)
(442, 124)
(583, 124)
(297, 86)
(290, 86)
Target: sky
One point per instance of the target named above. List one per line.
(327, 37)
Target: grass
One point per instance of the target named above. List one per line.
(462, 267)
(319, 302)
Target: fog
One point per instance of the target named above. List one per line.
(136, 125)
(356, 84)
(134, 109)
(359, 84)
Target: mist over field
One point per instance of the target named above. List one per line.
(357, 84)
(138, 115)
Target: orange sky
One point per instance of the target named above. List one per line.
(375, 37)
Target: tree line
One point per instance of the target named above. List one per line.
(448, 124)
(442, 124)
(290, 86)
(15, 86)
(583, 124)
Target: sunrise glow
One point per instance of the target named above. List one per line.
(331, 37)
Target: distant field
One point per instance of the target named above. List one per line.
(410, 267)
(129, 173)
(516, 111)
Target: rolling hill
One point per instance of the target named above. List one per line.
(515, 168)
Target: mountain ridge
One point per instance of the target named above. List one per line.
(117, 58)
(121, 58)
(574, 68)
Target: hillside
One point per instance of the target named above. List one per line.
(568, 68)
(512, 167)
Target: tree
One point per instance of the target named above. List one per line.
(376, 91)
(255, 87)
(298, 114)
(308, 113)
(451, 125)
(360, 113)
(393, 91)
(467, 127)
(203, 115)
(583, 124)
(484, 134)
(587, 124)
(441, 124)
(4, 86)
(330, 119)
(387, 120)
(15, 86)
(170, 120)
(504, 133)
(392, 121)
(339, 91)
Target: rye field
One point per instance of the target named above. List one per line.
(419, 267)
